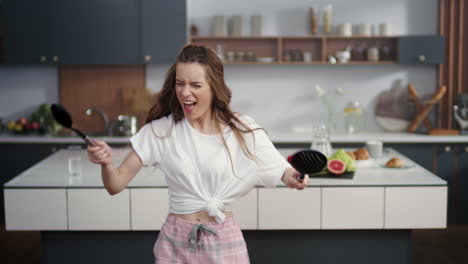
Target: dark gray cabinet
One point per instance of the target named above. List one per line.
(445, 156)
(421, 49)
(2, 32)
(164, 34)
(461, 191)
(93, 31)
(25, 27)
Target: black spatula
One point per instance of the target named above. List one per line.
(308, 161)
(64, 118)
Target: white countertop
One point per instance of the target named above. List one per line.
(52, 172)
(385, 137)
(276, 136)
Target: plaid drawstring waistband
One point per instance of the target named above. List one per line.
(194, 239)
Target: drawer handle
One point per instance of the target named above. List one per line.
(43, 59)
(447, 149)
(422, 58)
(147, 58)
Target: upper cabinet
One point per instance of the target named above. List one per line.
(2, 32)
(421, 50)
(25, 27)
(163, 29)
(93, 31)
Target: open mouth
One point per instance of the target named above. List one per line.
(189, 106)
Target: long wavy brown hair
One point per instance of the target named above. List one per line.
(167, 103)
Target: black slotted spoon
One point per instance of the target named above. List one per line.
(308, 161)
(64, 119)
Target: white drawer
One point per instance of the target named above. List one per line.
(352, 207)
(96, 209)
(245, 210)
(416, 207)
(285, 208)
(149, 208)
(35, 209)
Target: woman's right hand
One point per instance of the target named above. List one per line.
(100, 154)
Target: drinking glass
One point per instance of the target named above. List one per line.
(74, 161)
(321, 139)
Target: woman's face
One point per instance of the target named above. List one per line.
(193, 90)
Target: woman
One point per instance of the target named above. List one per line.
(210, 156)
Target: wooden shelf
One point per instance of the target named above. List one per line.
(198, 38)
(195, 38)
(310, 63)
(290, 50)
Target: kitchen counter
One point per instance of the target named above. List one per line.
(53, 173)
(302, 136)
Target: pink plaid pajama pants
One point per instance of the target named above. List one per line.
(181, 241)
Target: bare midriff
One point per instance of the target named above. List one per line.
(199, 217)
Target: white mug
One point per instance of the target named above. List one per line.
(375, 148)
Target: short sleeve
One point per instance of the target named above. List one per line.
(271, 164)
(147, 145)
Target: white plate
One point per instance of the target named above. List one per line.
(365, 163)
(407, 164)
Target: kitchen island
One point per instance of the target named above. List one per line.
(278, 136)
(367, 219)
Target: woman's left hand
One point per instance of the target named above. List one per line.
(291, 179)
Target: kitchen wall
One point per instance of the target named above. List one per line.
(277, 96)
(24, 88)
(283, 96)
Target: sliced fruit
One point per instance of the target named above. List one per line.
(336, 166)
(349, 162)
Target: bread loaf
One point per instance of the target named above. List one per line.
(395, 163)
(361, 154)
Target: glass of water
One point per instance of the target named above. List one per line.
(321, 138)
(74, 161)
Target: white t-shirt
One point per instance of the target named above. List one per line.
(198, 168)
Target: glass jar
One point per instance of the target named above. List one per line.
(353, 117)
(327, 19)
